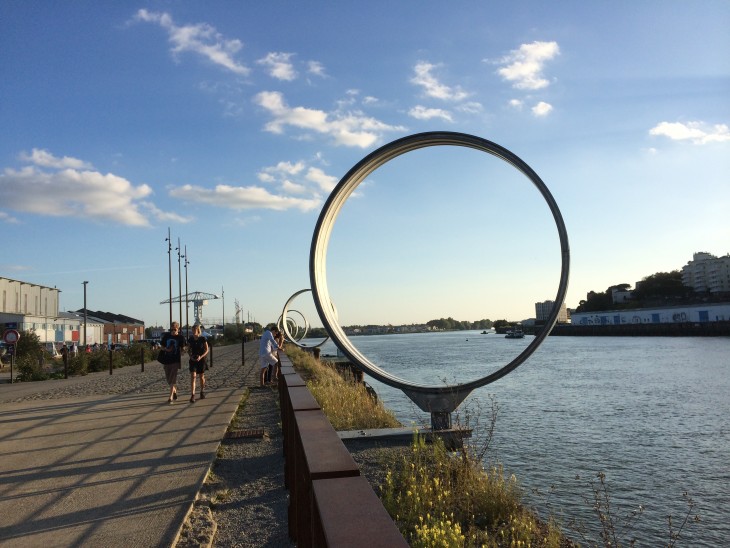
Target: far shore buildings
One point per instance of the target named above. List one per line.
(27, 306)
(542, 311)
(706, 273)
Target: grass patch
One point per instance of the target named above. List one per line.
(346, 403)
(440, 498)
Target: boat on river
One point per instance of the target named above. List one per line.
(515, 333)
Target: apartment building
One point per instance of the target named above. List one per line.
(706, 273)
(542, 311)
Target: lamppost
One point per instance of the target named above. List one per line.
(179, 279)
(85, 316)
(187, 322)
(169, 268)
(223, 297)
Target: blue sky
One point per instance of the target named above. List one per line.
(231, 122)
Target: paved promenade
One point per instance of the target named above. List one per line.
(104, 460)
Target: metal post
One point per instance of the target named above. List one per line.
(187, 322)
(440, 420)
(243, 349)
(85, 316)
(179, 280)
(111, 359)
(169, 268)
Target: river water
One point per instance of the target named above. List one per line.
(652, 413)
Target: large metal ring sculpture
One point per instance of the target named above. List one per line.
(434, 399)
(285, 325)
(297, 336)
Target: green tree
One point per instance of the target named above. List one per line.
(501, 324)
(662, 286)
(596, 301)
(232, 333)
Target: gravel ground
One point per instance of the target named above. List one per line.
(245, 491)
(243, 502)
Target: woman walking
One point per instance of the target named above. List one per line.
(198, 348)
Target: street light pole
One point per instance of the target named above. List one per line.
(169, 268)
(85, 316)
(187, 322)
(179, 279)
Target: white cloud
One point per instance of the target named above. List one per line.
(524, 66)
(164, 216)
(369, 100)
(324, 181)
(200, 38)
(470, 107)
(239, 198)
(516, 103)
(316, 68)
(432, 87)
(5, 218)
(422, 113)
(44, 158)
(542, 109)
(74, 193)
(345, 128)
(279, 66)
(268, 174)
(298, 178)
(698, 133)
(293, 188)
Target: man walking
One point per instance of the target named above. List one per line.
(173, 343)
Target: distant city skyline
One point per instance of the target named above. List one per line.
(231, 125)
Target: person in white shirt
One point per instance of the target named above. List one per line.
(267, 351)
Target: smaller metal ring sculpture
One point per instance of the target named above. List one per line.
(290, 322)
(436, 399)
(285, 322)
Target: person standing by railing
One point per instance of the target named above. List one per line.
(280, 342)
(267, 351)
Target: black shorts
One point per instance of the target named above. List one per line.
(198, 367)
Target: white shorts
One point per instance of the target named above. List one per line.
(266, 361)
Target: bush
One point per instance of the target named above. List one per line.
(28, 345)
(98, 361)
(438, 498)
(30, 369)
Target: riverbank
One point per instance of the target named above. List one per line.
(686, 329)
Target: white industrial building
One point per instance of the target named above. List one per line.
(26, 306)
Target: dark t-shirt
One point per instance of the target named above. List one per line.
(173, 343)
(197, 347)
